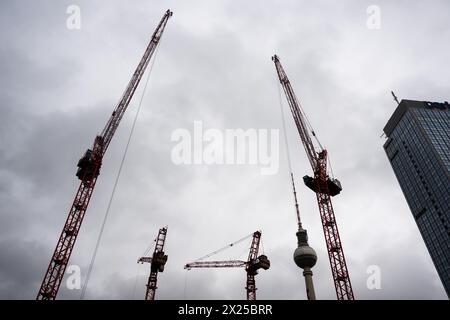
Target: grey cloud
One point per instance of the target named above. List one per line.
(57, 88)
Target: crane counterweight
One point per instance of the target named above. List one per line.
(333, 185)
(262, 262)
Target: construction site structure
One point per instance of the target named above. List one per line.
(304, 256)
(252, 265)
(323, 185)
(88, 172)
(157, 262)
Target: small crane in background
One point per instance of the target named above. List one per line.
(252, 265)
(157, 262)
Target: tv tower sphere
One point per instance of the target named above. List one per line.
(304, 255)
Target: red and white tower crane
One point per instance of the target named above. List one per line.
(324, 187)
(157, 262)
(88, 171)
(252, 265)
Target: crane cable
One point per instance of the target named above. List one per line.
(262, 245)
(149, 248)
(94, 255)
(309, 125)
(331, 168)
(283, 121)
(136, 280)
(224, 248)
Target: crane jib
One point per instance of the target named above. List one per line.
(252, 265)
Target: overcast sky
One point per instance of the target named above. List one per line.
(59, 86)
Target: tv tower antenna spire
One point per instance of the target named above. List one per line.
(395, 97)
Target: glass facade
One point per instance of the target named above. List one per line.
(418, 148)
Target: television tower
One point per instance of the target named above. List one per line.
(304, 256)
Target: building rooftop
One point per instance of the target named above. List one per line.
(407, 104)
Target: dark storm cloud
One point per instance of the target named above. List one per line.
(57, 88)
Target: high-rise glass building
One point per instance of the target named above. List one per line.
(418, 148)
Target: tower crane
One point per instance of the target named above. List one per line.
(252, 265)
(88, 172)
(157, 262)
(324, 187)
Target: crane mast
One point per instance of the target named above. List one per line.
(88, 172)
(252, 265)
(324, 187)
(157, 262)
